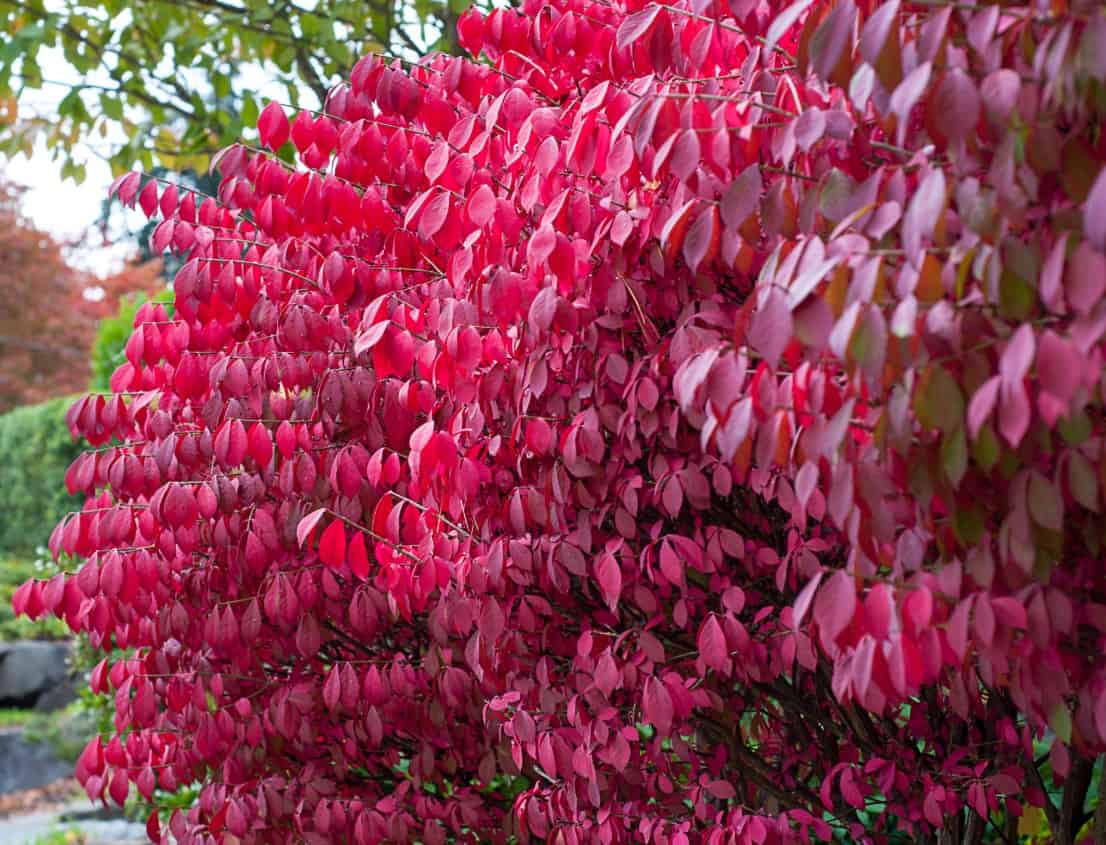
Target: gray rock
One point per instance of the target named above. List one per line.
(28, 765)
(28, 669)
(57, 697)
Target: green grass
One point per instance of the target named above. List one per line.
(11, 717)
(13, 572)
(72, 836)
(66, 731)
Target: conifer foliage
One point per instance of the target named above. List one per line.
(684, 425)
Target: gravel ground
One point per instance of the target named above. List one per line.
(29, 815)
(24, 830)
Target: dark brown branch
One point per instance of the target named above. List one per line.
(1071, 807)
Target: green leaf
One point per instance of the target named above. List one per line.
(111, 106)
(1060, 722)
(954, 455)
(938, 401)
(250, 111)
(1075, 429)
(1016, 297)
(968, 525)
(986, 448)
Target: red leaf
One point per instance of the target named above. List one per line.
(917, 610)
(147, 198)
(272, 126)
(607, 676)
(879, 611)
(332, 688)
(712, 645)
(907, 94)
(956, 632)
(876, 30)
(260, 444)
(657, 706)
(723, 790)
(332, 545)
(358, 556)
(119, 787)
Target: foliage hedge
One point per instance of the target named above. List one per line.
(36, 448)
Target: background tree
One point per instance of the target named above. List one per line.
(44, 330)
(163, 81)
(46, 320)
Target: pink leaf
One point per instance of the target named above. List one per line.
(307, 525)
(957, 102)
(832, 38)
(1014, 413)
(804, 599)
(906, 96)
(637, 25)
(481, 206)
(712, 644)
(1017, 357)
(834, 607)
(1094, 213)
(782, 22)
(770, 332)
(982, 404)
(701, 243)
(741, 197)
(922, 213)
(609, 576)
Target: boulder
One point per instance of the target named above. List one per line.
(28, 765)
(30, 668)
(57, 697)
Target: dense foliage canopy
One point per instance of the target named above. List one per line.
(684, 426)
